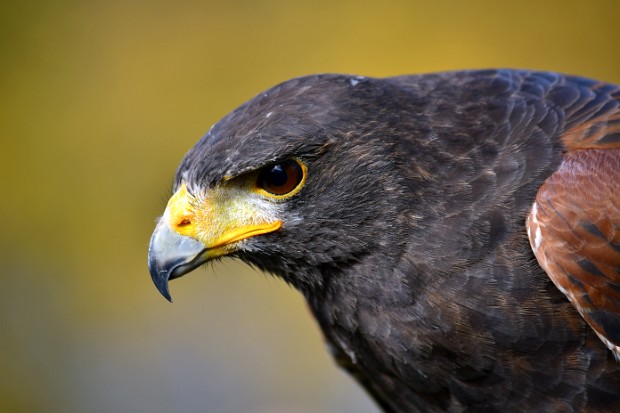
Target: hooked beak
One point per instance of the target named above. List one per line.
(172, 255)
(194, 230)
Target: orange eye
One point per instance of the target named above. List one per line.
(281, 178)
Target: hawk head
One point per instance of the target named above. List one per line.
(291, 182)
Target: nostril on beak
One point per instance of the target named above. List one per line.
(184, 222)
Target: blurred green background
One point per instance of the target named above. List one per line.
(99, 101)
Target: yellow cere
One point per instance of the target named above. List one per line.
(223, 215)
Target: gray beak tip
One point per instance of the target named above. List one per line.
(161, 283)
(160, 277)
(172, 255)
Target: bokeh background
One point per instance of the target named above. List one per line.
(99, 101)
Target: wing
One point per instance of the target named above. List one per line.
(574, 224)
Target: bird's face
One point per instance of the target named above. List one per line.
(268, 186)
(219, 220)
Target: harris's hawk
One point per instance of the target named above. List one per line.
(456, 235)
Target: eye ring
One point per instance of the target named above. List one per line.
(282, 179)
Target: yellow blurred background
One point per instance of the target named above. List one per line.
(99, 101)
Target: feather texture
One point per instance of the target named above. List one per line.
(409, 237)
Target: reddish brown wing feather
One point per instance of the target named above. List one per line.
(593, 116)
(574, 230)
(574, 225)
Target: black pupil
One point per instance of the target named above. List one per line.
(277, 176)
